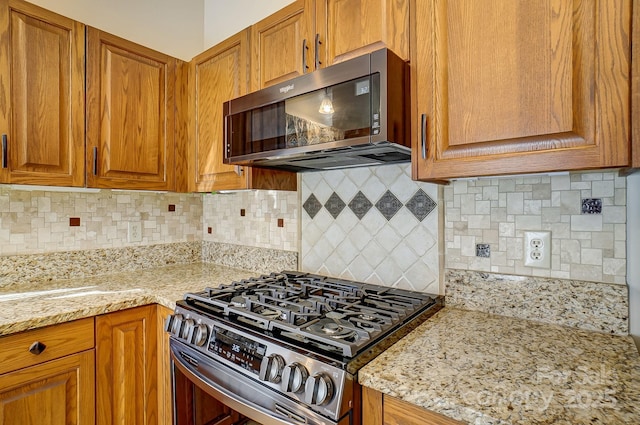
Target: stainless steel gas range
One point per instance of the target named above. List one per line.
(284, 348)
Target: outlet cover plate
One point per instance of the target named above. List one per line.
(134, 231)
(537, 249)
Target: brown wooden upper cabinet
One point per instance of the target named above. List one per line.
(217, 75)
(130, 114)
(503, 87)
(311, 34)
(42, 96)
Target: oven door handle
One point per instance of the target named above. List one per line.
(227, 397)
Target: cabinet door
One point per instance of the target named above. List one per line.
(282, 45)
(165, 403)
(127, 367)
(350, 28)
(130, 114)
(506, 87)
(217, 75)
(58, 392)
(42, 106)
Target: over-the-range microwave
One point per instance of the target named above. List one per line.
(354, 113)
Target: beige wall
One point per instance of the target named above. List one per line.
(225, 18)
(172, 27)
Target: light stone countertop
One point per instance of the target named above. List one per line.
(481, 368)
(34, 305)
(471, 366)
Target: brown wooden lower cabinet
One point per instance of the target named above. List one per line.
(165, 411)
(380, 409)
(47, 376)
(127, 367)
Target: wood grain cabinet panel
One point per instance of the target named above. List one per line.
(350, 28)
(217, 75)
(312, 34)
(53, 384)
(165, 401)
(58, 392)
(42, 96)
(127, 367)
(57, 341)
(130, 114)
(503, 87)
(381, 409)
(281, 45)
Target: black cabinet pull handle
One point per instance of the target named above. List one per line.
(95, 161)
(317, 52)
(4, 151)
(304, 56)
(37, 348)
(423, 124)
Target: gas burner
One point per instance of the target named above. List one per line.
(242, 301)
(368, 317)
(333, 328)
(273, 314)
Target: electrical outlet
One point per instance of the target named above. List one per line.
(135, 231)
(537, 249)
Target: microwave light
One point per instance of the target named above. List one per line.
(326, 107)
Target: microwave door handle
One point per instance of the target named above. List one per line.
(423, 126)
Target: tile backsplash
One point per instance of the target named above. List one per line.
(585, 213)
(371, 224)
(38, 221)
(251, 218)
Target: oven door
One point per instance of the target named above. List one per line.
(205, 391)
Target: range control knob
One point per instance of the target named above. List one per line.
(173, 324)
(187, 329)
(294, 377)
(271, 368)
(319, 389)
(200, 335)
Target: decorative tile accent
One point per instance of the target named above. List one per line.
(388, 205)
(259, 226)
(334, 205)
(360, 205)
(421, 205)
(483, 250)
(365, 246)
(312, 206)
(592, 206)
(578, 304)
(497, 211)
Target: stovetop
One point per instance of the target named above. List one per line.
(328, 315)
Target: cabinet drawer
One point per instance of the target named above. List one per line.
(59, 340)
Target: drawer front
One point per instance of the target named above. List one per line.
(58, 341)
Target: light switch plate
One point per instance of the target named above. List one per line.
(537, 249)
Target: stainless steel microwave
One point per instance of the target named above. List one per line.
(354, 113)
